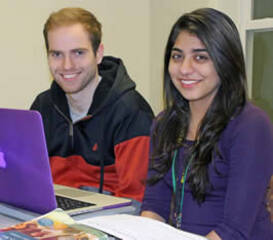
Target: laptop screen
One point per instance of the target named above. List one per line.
(25, 177)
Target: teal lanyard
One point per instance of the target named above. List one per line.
(183, 180)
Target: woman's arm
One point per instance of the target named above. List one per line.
(152, 215)
(250, 157)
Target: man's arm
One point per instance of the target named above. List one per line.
(131, 147)
(132, 158)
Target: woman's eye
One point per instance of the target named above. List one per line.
(176, 57)
(201, 58)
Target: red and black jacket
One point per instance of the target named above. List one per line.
(112, 140)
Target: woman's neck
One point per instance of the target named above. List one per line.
(198, 112)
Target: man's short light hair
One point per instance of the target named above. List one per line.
(70, 16)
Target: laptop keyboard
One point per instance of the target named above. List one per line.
(69, 203)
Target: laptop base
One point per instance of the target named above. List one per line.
(25, 215)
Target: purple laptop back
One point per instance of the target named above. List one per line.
(25, 176)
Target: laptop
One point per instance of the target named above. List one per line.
(25, 175)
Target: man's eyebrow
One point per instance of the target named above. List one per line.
(78, 49)
(53, 51)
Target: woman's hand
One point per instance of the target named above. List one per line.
(153, 215)
(213, 236)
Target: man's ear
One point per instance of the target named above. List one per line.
(99, 53)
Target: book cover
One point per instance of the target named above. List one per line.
(56, 225)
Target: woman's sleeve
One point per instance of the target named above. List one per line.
(250, 167)
(157, 198)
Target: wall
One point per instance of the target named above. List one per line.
(163, 15)
(23, 58)
(136, 31)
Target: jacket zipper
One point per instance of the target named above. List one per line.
(70, 123)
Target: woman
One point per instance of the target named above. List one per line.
(211, 149)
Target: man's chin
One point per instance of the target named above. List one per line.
(69, 90)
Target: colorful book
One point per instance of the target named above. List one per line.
(56, 225)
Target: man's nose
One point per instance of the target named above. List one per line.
(68, 63)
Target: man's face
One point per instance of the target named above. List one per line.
(71, 58)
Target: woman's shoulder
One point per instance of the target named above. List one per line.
(250, 122)
(251, 115)
(251, 128)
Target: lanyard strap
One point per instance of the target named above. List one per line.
(183, 181)
(173, 170)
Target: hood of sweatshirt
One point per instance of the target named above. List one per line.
(115, 82)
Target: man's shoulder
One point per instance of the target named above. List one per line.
(134, 101)
(52, 91)
(44, 94)
(41, 101)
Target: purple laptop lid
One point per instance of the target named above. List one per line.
(25, 176)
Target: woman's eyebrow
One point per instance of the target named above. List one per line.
(194, 50)
(200, 50)
(177, 49)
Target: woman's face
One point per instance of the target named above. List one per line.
(192, 70)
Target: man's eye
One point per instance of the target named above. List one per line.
(79, 52)
(55, 54)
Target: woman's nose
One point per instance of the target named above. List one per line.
(186, 66)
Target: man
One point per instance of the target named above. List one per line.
(96, 123)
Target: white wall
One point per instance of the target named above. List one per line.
(23, 58)
(163, 15)
(136, 31)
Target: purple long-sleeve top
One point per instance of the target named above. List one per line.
(236, 205)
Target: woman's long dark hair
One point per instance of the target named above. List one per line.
(219, 35)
